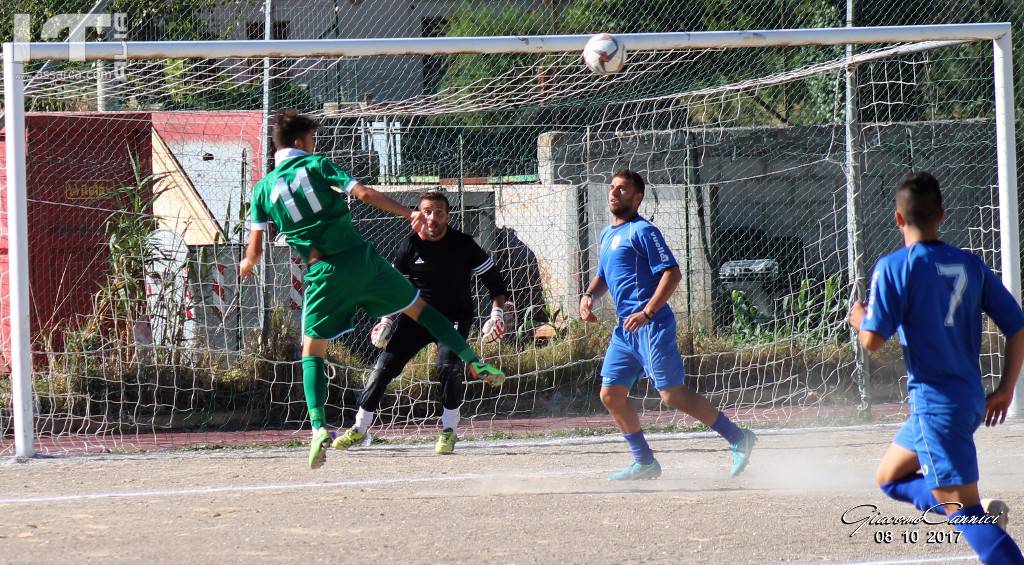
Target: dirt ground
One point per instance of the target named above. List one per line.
(502, 502)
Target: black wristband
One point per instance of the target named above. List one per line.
(646, 315)
(589, 295)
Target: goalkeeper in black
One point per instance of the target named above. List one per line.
(440, 261)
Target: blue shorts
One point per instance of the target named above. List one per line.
(650, 351)
(944, 443)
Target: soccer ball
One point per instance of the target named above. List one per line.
(604, 54)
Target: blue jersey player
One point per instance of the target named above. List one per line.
(639, 272)
(933, 295)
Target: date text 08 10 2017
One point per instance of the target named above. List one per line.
(914, 536)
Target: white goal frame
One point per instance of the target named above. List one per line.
(15, 55)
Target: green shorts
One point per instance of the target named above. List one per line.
(338, 285)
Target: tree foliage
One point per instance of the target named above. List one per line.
(955, 83)
(808, 101)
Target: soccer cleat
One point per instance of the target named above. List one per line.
(317, 448)
(487, 373)
(352, 436)
(637, 472)
(741, 452)
(996, 507)
(446, 442)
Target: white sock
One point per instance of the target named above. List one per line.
(450, 419)
(363, 420)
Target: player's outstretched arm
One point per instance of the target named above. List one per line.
(381, 201)
(998, 403)
(253, 253)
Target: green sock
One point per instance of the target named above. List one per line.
(314, 384)
(439, 327)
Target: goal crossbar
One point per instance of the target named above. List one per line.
(130, 50)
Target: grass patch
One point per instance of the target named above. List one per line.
(93, 383)
(289, 444)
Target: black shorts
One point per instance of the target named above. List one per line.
(410, 337)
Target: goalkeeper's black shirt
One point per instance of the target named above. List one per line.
(443, 271)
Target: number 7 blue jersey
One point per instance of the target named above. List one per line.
(934, 294)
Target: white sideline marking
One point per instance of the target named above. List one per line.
(929, 560)
(267, 486)
(616, 438)
(612, 437)
(491, 444)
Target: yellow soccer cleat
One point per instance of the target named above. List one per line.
(318, 448)
(446, 442)
(352, 436)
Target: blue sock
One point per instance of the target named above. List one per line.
(915, 490)
(725, 428)
(989, 541)
(642, 453)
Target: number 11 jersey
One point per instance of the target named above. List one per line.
(300, 198)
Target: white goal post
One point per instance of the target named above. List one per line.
(16, 55)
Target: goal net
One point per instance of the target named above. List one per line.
(139, 174)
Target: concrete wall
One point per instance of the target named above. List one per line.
(385, 78)
(790, 182)
(779, 192)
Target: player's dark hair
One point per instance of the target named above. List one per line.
(290, 125)
(919, 200)
(633, 177)
(435, 196)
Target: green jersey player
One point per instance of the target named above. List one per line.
(305, 197)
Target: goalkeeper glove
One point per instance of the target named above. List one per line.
(380, 335)
(494, 327)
